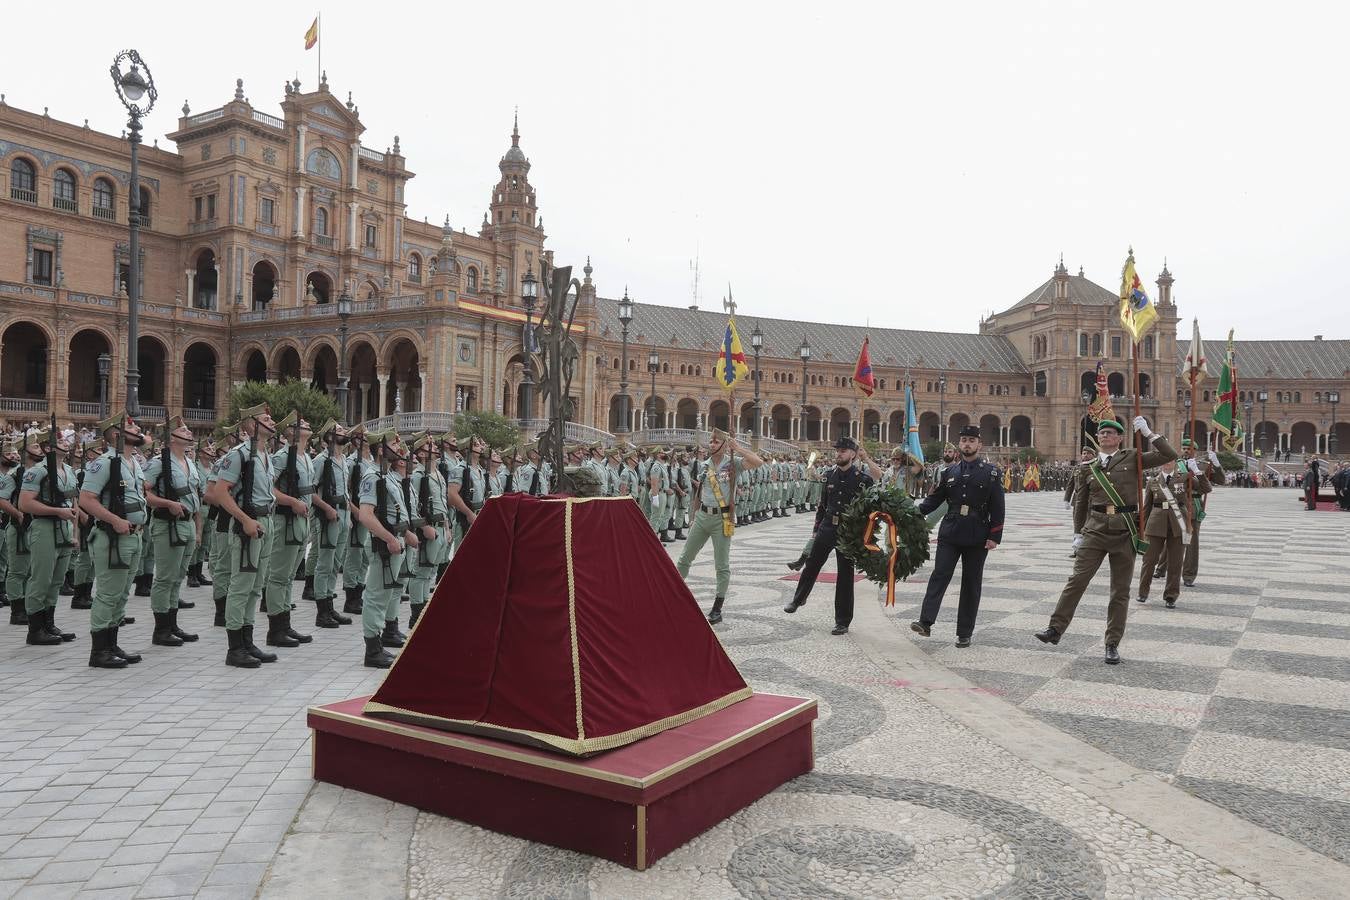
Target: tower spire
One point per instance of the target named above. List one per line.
(515, 128)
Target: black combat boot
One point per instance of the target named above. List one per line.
(37, 631)
(276, 632)
(796, 564)
(666, 538)
(164, 636)
(416, 614)
(84, 596)
(68, 586)
(376, 656)
(129, 657)
(291, 632)
(300, 569)
(18, 615)
(308, 592)
(392, 637)
(192, 579)
(219, 620)
(325, 618)
(65, 636)
(253, 649)
(238, 654)
(336, 616)
(101, 655)
(679, 534)
(179, 633)
(183, 604)
(143, 585)
(203, 580)
(4, 598)
(715, 614)
(353, 602)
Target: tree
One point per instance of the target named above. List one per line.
(932, 451)
(1027, 454)
(314, 406)
(499, 431)
(1231, 462)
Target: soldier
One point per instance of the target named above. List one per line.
(658, 489)
(466, 491)
(681, 483)
(114, 494)
(202, 459)
(171, 492)
(356, 553)
(48, 500)
(83, 564)
(430, 515)
(1104, 527)
(331, 522)
(1168, 526)
(715, 516)
(243, 490)
(386, 518)
(15, 569)
(526, 479)
(852, 473)
(972, 526)
(498, 477)
(218, 526)
(292, 488)
(1214, 474)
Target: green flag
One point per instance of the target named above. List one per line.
(1226, 418)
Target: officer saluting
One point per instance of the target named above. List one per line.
(972, 526)
(842, 484)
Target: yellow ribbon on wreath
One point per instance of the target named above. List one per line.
(892, 546)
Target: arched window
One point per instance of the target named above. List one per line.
(471, 280)
(1082, 345)
(63, 190)
(321, 221)
(1096, 345)
(103, 199)
(698, 370)
(415, 267)
(1298, 396)
(616, 363)
(144, 211)
(1148, 347)
(22, 181)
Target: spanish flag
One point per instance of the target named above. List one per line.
(312, 36)
(1137, 312)
(731, 366)
(863, 379)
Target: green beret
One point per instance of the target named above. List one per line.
(1111, 423)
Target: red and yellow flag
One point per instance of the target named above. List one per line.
(862, 372)
(312, 36)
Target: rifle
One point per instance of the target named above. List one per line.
(326, 492)
(21, 526)
(246, 500)
(382, 516)
(354, 493)
(291, 478)
(424, 513)
(117, 500)
(54, 492)
(82, 530)
(166, 488)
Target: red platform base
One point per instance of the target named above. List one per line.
(632, 805)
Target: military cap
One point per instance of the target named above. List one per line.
(253, 412)
(846, 443)
(98, 447)
(969, 431)
(175, 423)
(375, 438)
(332, 425)
(116, 420)
(207, 447)
(531, 448)
(37, 438)
(357, 432)
(612, 453)
(1185, 442)
(1111, 423)
(420, 440)
(718, 435)
(898, 453)
(449, 438)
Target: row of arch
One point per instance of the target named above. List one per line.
(23, 186)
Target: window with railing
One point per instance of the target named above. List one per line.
(42, 267)
(267, 211)
(63, 191)
(103, 199)
(321, 221)
(144, 208)
(415, 268)
(22, 181)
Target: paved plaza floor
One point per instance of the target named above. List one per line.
(1215, 762)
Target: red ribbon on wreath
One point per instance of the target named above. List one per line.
(870, 544)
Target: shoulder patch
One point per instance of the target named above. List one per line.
(94, 467)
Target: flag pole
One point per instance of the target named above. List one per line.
(1138, 449)
(1190, 502)
(318, 75)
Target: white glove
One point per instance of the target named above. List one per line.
(1068, 505)
(1213, 457)
(1141, 426)
(1193, 465)
(1077, 541)
(655, 501)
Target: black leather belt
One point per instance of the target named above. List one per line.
(715, 510)
(1114, 510)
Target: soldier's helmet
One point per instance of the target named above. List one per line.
(585, 481)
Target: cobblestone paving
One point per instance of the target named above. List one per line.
(1240, 695)
(181, 777)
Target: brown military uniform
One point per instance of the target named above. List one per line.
(1106, 534)
(1165, 535)
(1190, 567)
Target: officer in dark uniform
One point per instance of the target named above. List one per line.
(842, 484)
(973, 525)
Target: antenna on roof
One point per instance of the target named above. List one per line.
(694, 278)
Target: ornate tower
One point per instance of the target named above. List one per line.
(1165, 286)
(1061, 281)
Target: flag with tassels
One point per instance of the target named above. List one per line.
(863, 379)
(912, 442)
(731, 366)
(1226, 419)
(1137, 312)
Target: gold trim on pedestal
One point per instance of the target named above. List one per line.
(572, 617)
(641, 838)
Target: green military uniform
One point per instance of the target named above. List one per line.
(51, 541)
(329, 536)
(356, 552)
(247, 466)
(429, 511)
(384, 581)
(713, 520)
(683, 486)
(1106, 532)
(6, 489)
(218, 527)
(658, 484)
(1168, 525)
(174, 538)
(119, 485)
(16, 545)
(293, 477)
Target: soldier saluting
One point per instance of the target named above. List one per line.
(972, 526)
(1104, 526)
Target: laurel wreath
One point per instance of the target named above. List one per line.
(911, 534)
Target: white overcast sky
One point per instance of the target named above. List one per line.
(908, 164)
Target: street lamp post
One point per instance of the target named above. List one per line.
(1251, 438)
(132, 87)
(653, 363)
(942, 405)
(529, 293)
(104, 367)
(625, 316)
(805, 352)
(757, 344)
(1263, 397)
(1333, 397)
(344, 310)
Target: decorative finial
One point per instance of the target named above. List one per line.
(515, 128)
(296, 84)
(86, 124)
(1080, 271)
(587, 268)
(238, 90)
(186, 109)
(323, 78)
(397, 152)
(44, 111)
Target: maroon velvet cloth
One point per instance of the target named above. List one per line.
(492, 653)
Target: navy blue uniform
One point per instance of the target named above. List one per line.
(973, 492)
(841, 486)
